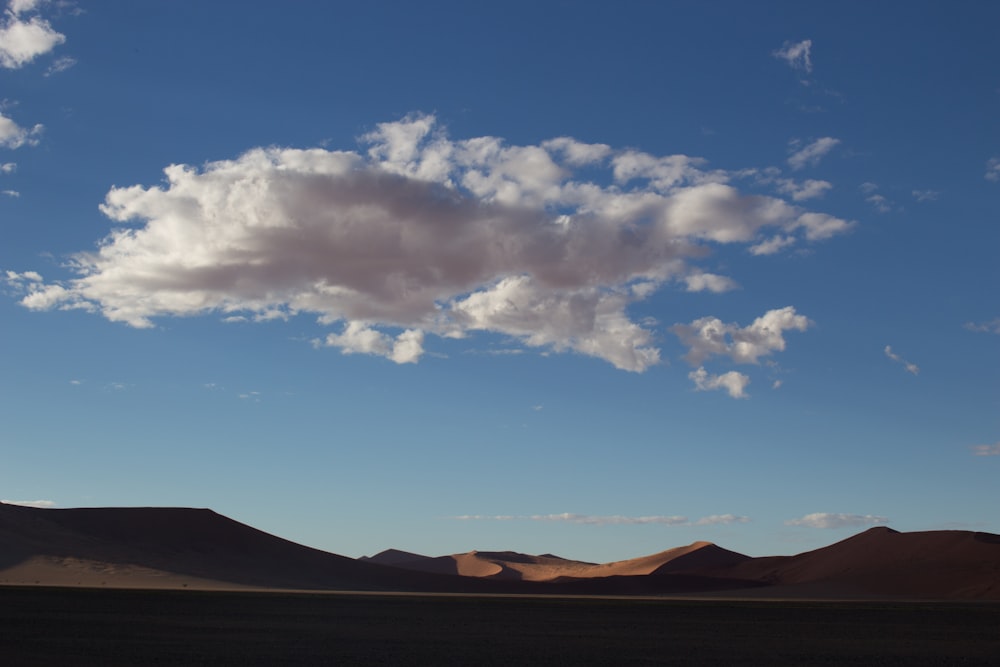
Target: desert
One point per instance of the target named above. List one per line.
(118, 586)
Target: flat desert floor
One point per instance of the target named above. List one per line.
(64, 626)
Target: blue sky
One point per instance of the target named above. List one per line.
(552, 277)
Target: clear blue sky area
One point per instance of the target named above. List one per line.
(580, 278)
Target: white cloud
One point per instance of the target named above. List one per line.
(828, 520)
(709, 336)
(987, 450)
(910, 367)
(733, 382)
(879, 203)
(30, 503)
(8, 168)
(926, 195)
(710, 282)
(421, 234)
(993, 326)
(24, 39)
(10, 193)
(613, 520)
(811, 154)
(13, 135)
(993, 169)
(60, 65)
(796, 54)
(808, 189)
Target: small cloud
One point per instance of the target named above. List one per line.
(828, 520)
(733, 382)
(612, 520)
(808, 189)
(710, 336)
(709, 282)
(60, 65)
(993, 169)
(776, 384)
(796, 54)
(250, 395)
(14, 136)
(30, 503)
(76, 382)
(879, 203)
(537, 408)
(987, 450)
(993, 326)
(810, 154)
(8, 168)
(10, 193)
(22, 39)
(926, 195)
(910, 367)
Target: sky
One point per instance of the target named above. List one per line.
(552, 277)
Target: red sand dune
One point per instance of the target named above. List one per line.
(953, 564)
(197, 548)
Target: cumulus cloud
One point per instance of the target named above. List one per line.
(597, 520)
(30, 503)
(987, 450)
(910, 367)
(810, 154)
(417, 233)
(709, 336)
(24, 38)
(828, 520)
(8, 168)
(13, 135)
(733, 382)
(796, 54)
(993, 169)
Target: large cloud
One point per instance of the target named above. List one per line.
(418, 233)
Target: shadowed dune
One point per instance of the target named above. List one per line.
(952, 564)
(152, 547)
(158, 547)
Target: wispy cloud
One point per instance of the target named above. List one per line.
(993, 169)
(910, 367)
(993, 326)
(926, 195)
(30, 503)
(419, 235)
(613, 520)
(60, 65)
(24, 38)
(798, 55)
(8, 168)
(987, 450)
(828, 520)
(811, 153)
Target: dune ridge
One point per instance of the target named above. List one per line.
(156, 547)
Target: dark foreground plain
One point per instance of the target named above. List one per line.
(42, 626)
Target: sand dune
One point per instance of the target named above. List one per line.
(933, 564)
(197, 548)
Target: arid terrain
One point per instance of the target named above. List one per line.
(197, 548)
(174, 586)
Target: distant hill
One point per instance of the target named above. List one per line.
(157, 547)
